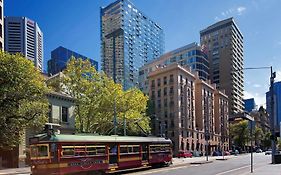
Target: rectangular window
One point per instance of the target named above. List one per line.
(153, 83)
(64, 114)
(171, 90)
(159, 93)
(50, 113)
(67, 151)
(158, 82)
(95, 150)
(39, 151)
(171, 78)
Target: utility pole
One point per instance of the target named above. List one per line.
(251, 130)
(115, 117)
(272, 122)
(124, 125)
(207, 132)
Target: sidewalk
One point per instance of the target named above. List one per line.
(198, 160)
(268, 169)
(10, 171)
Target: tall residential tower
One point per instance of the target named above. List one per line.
(24, 36)
(224, 43)
(128, 40)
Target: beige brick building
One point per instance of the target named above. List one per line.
(181, 111)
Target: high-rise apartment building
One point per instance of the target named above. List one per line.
(191, 55)
(128, 40)
(186, 108)
(59, 58)
(1, 25)
(24, 36)
(224, 44)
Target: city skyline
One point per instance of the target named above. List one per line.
(178, 22)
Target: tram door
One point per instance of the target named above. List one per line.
(145, 153)
(113, 154)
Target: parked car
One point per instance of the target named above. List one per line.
(226, 153)
(268, 152)
(258, 150)
(184, 154)
(216, 153)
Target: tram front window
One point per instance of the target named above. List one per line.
(39, 151)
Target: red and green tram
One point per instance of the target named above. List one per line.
(72, 154)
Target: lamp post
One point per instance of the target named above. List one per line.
(251, 120)
(207, 132)
(272, 122)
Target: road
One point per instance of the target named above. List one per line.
(234, 166)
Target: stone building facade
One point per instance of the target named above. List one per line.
(186, 109)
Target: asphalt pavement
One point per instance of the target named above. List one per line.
(234, 165)
(230, 165)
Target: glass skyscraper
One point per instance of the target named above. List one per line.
(59, 58)
(128, 40)
(277, 104)
(191, 55)
(249, 104)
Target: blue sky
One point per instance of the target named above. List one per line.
(76, 25)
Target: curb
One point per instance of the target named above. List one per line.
(201, 162)
(221, 159)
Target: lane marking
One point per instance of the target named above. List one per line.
(159, 170)
(224, 172)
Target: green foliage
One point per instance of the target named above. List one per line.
(266, 142)
(96, 96)
(258, 136)
(23, 101)
(239, 132)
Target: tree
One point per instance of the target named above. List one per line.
(97, 96)
(266, 142)
(258, 136)
(23, 101)
(239, 132)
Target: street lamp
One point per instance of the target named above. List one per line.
(272, 121)
(246, 116)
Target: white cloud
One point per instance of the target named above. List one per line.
(232, 12)
(260, 99)
(240, 10)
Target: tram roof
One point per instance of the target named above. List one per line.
(99, 138)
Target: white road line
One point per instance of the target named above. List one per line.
(159, 170)
(225, 172)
